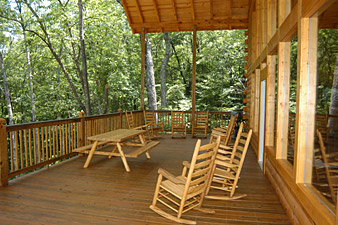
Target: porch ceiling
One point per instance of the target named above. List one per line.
(158, 16)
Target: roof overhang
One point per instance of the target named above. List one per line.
(158, 16)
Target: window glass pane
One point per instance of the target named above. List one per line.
(325, 165)
(292, 101)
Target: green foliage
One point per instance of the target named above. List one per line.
(113, 58)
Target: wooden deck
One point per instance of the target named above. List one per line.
(105, 194)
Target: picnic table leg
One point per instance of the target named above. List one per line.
(123, 157)
(90, 155)
(114, 150)
(142, 139)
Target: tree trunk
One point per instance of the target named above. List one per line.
(84, 60)
(163, 70)
(6, 92)
(334, 98)
(105, 99)
(30, 75)
(150, 78)
(186, 84)
(29, 69)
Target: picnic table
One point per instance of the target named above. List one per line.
(118, 139)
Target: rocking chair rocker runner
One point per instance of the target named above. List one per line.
(186, 192)
(226, 170)
(149, 118)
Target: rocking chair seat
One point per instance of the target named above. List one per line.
(178, 189)
(224, 173)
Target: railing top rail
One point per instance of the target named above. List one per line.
(108, 115)
(86, 118)
(213, 112)
(25, 126)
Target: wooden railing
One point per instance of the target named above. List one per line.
(27, 147)
(216, 119)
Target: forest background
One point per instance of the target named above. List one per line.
(60, 57)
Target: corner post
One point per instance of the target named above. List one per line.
(82, 133)
(3, 154)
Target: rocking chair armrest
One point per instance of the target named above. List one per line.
(225, 147)
(169, 176)
(140, 127)
(160, 123)
(229, 165)
(186, 164)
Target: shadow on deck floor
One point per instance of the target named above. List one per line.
(105, 194)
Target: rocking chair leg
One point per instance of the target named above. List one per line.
(157, 190)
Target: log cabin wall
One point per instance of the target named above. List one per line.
(272, 26)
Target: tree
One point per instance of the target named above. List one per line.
(163, 70)
(6, 92)
(151, 91)
(84, 73)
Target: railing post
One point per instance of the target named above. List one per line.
(120, 111)
(3, 154)
(82, 133)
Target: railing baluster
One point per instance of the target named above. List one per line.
(30, 146)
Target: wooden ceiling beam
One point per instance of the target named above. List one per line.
(192, 10)
(127, 14)
(212, 12)
(175, 13)
(157, 13)
(230, 15)
(139, 11)
(188, 23)
(156, 10)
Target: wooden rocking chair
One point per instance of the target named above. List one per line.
(186, 192)
(226, 170)
(330, 169)
(200, 125)
(178, 124)
(225, 132)
(149, 118)
(131, 124)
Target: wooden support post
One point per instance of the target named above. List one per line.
(270, 100)
(257, 88)
(120, 111)
(306, 96)
(252, 100)
(143, 62)
(270, 11)
(194, 74)
(3, 154)
(82, 130)
(283, 86)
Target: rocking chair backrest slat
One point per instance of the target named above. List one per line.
(177, 119)
(231, 129)
(241, 160)
(130, 120)
(199, 171)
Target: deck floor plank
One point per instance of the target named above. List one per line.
(105, 194)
